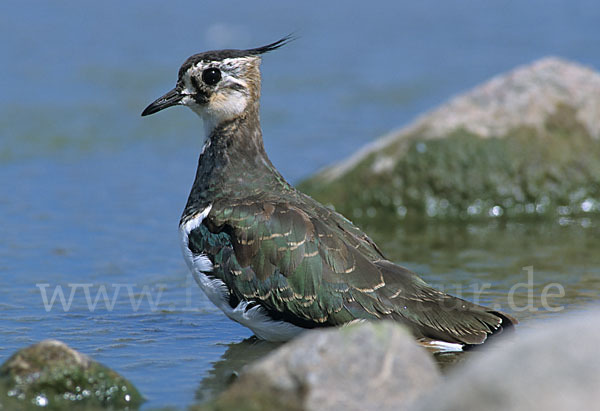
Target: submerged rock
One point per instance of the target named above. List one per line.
(524, 143)
(550, 368)
(358, 367)
(52, 375)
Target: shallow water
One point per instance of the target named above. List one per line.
(92, 193)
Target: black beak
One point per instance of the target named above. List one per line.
(172, 98)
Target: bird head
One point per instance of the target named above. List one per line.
(217, 85)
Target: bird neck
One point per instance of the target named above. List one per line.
(233, 163)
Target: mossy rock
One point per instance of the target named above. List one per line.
(54, 376)
(454, 164)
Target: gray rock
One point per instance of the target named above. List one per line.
(525, 142)
(550, 368)
(370, 366)
(50, 374)
(527, 95)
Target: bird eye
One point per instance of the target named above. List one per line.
(211, 76)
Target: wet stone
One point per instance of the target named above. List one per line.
(358, 367)
(52, 375)
(551, 367)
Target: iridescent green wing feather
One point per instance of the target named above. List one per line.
(308, 265)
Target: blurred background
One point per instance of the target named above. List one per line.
(92, 192)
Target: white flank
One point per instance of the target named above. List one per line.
(254, 318)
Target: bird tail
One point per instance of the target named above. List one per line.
(435, 315)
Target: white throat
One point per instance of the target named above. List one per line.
(228, 100)
(219, 109)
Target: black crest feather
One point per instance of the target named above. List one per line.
(273, 46)
(217, 55)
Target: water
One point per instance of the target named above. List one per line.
(93, 192)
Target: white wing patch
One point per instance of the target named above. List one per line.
(200, 264)
(254, 318)
(185, 229)
(441, 346)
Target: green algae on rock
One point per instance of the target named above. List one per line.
(52, 375)
(524, 144)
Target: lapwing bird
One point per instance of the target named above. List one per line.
(272, 258)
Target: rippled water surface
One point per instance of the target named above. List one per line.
(92, 193)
